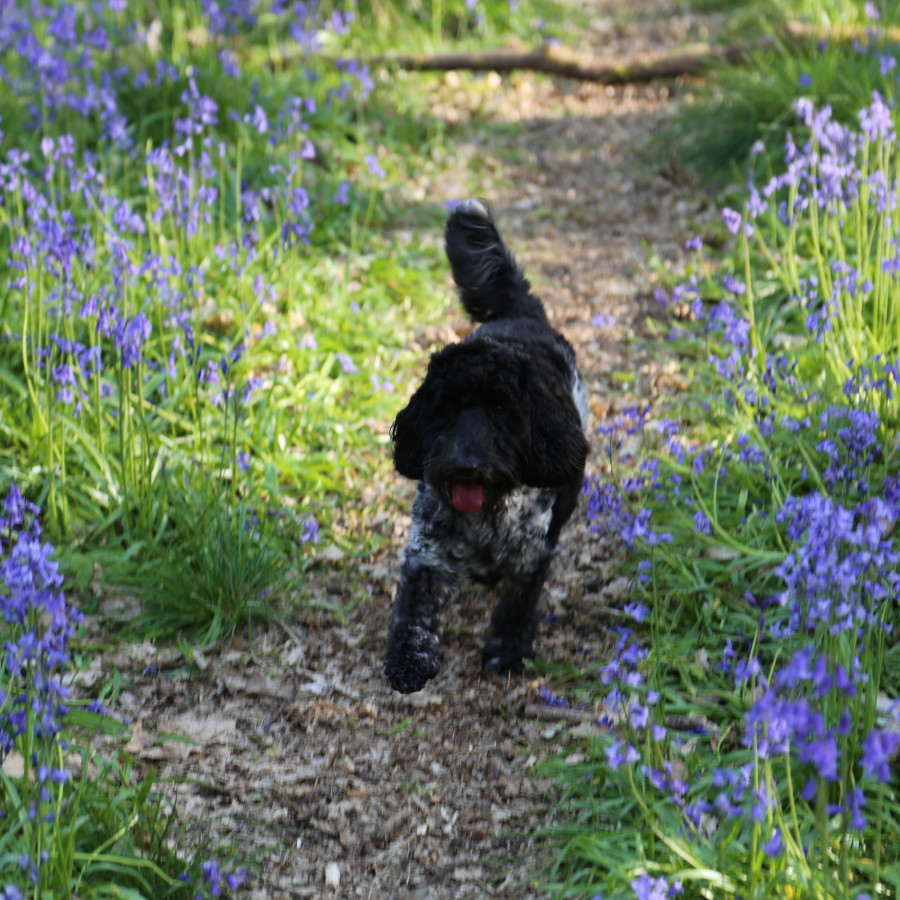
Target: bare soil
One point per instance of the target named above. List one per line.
(297, 750)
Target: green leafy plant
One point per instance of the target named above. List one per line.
(226, 563)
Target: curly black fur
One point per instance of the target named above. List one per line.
(495, 437)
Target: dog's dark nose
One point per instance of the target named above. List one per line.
(464, 457)
(465, 473)
(467, 451)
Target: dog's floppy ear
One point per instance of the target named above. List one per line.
(408, 434)
(558, 444)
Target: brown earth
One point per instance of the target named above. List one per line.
(298, 752)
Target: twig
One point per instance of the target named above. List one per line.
(559, 713)
(692, 723)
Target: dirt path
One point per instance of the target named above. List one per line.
(302, 754)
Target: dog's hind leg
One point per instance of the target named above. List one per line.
(514, 621)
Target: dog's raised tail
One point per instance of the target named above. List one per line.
(491, 284)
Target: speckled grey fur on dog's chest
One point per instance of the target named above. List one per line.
(481, 546)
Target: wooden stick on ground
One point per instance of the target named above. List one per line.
(554, 59)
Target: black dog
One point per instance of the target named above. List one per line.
(495, 437)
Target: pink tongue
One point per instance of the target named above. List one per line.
(468, 496)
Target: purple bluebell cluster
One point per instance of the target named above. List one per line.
(773, 535)
(646, 887)
(54, 61)
(551, 699)
(121, 232)
(214, 880)
(37, 626)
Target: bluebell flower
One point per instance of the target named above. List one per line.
(876, 120)
(637, 610)
(310, 532)
(341, 195)
(550, 699)
(774, 847)
(878, 746)
(639, 715)
(646, 887)
(694, 243)
(374, 166)
(732, 220)
(701, 522)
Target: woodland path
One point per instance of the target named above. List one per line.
(301, 753)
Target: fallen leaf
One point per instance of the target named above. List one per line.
(421, 699)
(75, 766)
(136, 744)
(86, 678)
(723, 554)
(170, 750)
(257, 686)
(200, 660)
(14, 765)
(203, 731)
(332, 553)
(143, 655)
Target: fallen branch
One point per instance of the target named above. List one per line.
(554, 59)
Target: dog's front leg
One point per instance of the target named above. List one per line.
(414, 634)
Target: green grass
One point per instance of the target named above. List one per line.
(224, 564)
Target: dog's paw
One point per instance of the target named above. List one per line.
(412, 661)
(505, 657)
(409, 673)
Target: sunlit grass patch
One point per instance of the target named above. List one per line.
(226, 564)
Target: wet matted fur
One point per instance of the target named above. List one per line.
(495, 437)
